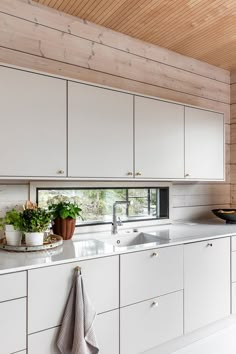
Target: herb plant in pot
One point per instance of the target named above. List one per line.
(12, 225)
(35, 222)
(64, 211)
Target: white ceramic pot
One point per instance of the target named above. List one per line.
(34, 238)
(13, 237)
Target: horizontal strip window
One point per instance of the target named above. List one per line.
(97, 203)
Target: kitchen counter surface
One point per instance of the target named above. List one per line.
(91, 246)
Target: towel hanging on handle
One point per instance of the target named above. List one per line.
(76, 335)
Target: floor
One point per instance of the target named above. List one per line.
(217, 339)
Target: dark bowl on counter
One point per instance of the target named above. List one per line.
(229, 215)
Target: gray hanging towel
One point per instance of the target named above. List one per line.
(76, 335)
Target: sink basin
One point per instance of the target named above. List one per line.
(133, 241)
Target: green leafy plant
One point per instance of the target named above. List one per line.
(63, 207)
(12, 217)
(35, 220)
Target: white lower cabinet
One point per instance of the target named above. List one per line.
(13, 326)
(234, 298)
(206, 282)
(151, 323)
(106, 329)
(146, 274)
(48, 290)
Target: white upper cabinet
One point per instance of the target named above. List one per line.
(204, 144)
(100, 132)
(33, 124)
(159, 139)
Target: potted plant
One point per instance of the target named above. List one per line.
(35, 221)
(64, 211)
(12, 225)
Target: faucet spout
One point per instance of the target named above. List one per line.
(114, 229)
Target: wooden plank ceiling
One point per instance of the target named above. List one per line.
(202, 29)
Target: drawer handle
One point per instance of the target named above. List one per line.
(155, 254)
(209, 245)
(154, 304)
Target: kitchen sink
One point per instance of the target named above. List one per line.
(133, 241)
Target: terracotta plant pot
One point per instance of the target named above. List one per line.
(64, 227)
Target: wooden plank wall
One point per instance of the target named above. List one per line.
(39, 38)
(233, 137)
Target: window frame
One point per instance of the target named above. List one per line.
(87, 232)
(127, 199)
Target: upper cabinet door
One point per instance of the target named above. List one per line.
(100, 132)
(204, 144)
(159, 139)
(33, 124)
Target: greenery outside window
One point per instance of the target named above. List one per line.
(97, 203)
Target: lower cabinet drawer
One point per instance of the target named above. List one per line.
(233, 266)
(150, 323)
(12, 286)
(233, 243)
(106, 329)
(234, 298)
(13, 326)
(146, 274)
(48, 290)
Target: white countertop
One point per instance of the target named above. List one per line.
(92, 247)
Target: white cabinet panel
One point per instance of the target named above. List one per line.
(12, 286)
(106, 329)
(43, 342)
(233, 265)
(159, 139)
(33, 124)
(206, 282)
(13, 326)
(151, 323)
(101, 279)
(233, 243)
(234, 298)
(146, 274)
(204, 144)
(100, 132)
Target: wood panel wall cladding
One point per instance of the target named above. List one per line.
(39, 38)
(202, 29)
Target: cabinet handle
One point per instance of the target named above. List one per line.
(129, 174)
(154, 254)
(154, 304)
(187, 175)
(209, 245)
(60, 172)
(138, 174)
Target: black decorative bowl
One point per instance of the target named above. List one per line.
(229, 215)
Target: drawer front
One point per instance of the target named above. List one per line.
(233, 243)
(48, 290)
(206, 283)
(12, 286)
(43, 342)
(144, 325)
(233, 258)
(234, 298)
(106, 330)
(13, 326)
(151, 273)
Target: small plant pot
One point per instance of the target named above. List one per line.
(13, 237)
(64, 227)
(34, 238)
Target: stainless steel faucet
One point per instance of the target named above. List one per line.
(116, 222)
